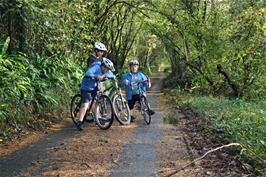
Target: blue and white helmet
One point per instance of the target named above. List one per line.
(108, 63)
(134, 62)
(100, 46)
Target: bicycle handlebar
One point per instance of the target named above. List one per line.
(139, 82)
(104, 79)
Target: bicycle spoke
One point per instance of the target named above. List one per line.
(104, 112)
(121, 110)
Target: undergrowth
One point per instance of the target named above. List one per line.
(235, 120)
(32, 88)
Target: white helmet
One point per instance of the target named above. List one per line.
(133, 62)
(100, 46)
(108, 63)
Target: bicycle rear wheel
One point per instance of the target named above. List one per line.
(75, 107)
(145, 109)
(104, 115)
(121, 109)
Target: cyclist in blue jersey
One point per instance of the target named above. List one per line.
(134, 76)
(97, 71)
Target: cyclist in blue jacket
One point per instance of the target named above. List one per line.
(132, 92)
(97, 71)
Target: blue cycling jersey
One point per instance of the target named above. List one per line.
(139, 76)
(87, 83)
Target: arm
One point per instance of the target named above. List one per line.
(149, 82)
(92, 72)
(124, 81)
(146, 84)
(109, 74)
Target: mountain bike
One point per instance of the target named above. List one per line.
(104, 115)
(143, 105)
(121, 109)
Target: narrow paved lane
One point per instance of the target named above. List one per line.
(14, 163)
(139, 156)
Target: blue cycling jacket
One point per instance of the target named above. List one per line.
(128, 76)
(89, 84)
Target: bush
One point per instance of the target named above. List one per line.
(237, 120)
(34, 86)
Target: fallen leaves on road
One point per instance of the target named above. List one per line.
(92, 153)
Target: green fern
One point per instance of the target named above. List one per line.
(5, 47)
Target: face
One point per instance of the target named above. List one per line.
(134, 68)
(99, 53)
(104, 69)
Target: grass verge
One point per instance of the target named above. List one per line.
(234, 120)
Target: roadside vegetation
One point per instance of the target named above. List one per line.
(33, 89)
(232, 120)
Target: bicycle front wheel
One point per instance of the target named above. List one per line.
(75, 107)
(104, 115)
(121, 109)
(145, 109)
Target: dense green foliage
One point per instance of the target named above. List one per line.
(34, 86)
(214, 46)
(234, 120)
(48, 28)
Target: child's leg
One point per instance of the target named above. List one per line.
(82, 111)
(94, 107)
(131, 104)
(85, 99)
(95, 110)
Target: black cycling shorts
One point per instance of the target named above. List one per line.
(86, 96)
(131, 103)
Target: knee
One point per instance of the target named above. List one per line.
(84, 105)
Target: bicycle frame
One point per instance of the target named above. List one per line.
(96, 93)
(141, 92)
(115, 89)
